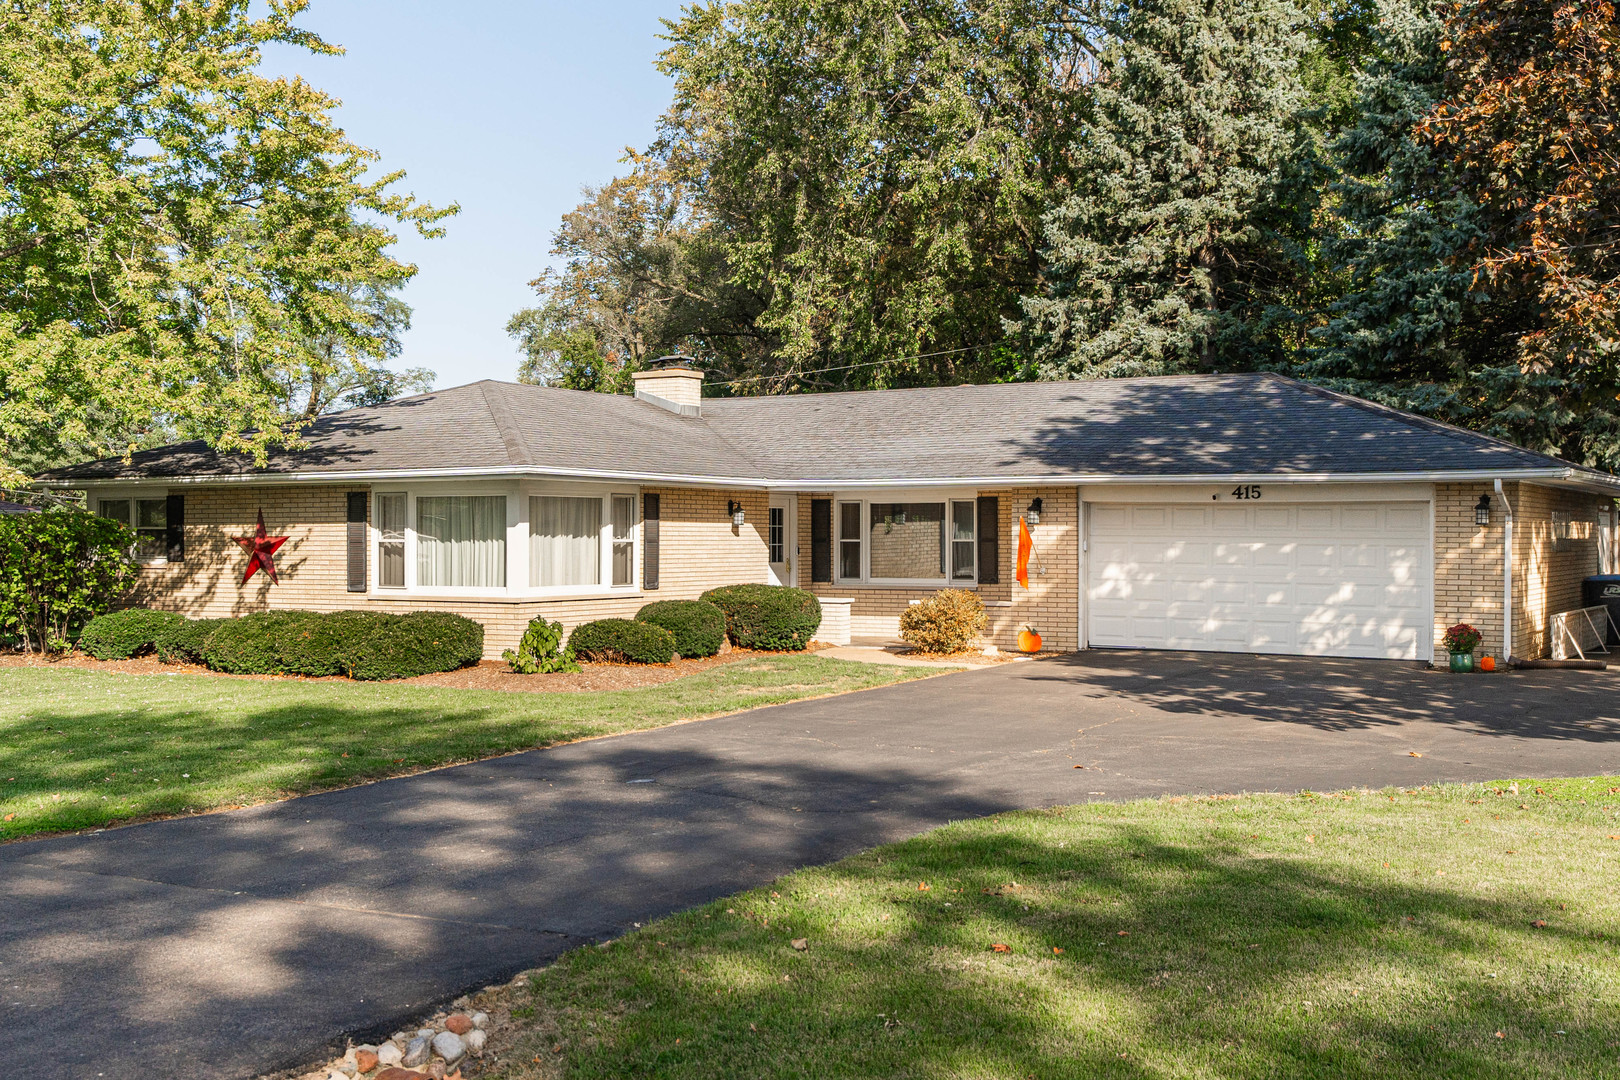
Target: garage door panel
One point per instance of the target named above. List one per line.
(1317, 579)
(1280, 554)
(1406, 522)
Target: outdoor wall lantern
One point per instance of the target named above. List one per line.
(1033, 514)
(735, 510)
(1482, 511)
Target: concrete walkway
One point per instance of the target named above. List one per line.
(231, 944)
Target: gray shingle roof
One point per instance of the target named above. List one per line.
(1216, 425)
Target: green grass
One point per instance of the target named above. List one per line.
(81, 748)
(1359, 935)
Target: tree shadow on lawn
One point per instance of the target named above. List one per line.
(183, 743)
(229, 944)
(1233, 966)
(1348, 695)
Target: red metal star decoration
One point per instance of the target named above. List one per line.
(261, 549)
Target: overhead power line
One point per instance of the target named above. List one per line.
(852, 367)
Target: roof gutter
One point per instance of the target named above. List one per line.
(1561, 477)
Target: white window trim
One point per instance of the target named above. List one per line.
(517, 495)
(902, 495)
(145, 494)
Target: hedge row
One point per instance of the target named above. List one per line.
(360, 644)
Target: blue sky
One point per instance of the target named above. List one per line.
(506, 108)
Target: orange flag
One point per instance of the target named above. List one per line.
(1026, 544)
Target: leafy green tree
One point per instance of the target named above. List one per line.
(1529, 132)
(58, 570)
(641, 278)
(836, 185)
(175, 228)
(1169, 253)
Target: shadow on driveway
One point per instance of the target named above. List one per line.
(236, 943)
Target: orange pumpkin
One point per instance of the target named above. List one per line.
(1487, 663)
(1029, 640)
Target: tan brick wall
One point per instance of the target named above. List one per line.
(1050, 604)
(699, 549)
(1547, 575)
(1467, 564)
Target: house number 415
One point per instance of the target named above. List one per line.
(1246, 491)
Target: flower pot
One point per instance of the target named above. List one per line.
(1029, 641)
(1462, 662)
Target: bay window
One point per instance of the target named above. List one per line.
(461, 541)
(565, 541)
(923, 542)
(517, 539)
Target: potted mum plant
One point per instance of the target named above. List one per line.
(1461, 641)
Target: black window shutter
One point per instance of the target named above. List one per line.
(174, 534)
(989, 540)
(649, 541)
(821, 540)
(357, 541)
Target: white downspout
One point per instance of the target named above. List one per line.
(1507, 574)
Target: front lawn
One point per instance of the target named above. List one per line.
(1457, 932)
(81, 748)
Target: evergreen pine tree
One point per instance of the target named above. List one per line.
(1167, 255)
(1417, 325)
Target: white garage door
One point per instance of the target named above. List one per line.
(1317, 579)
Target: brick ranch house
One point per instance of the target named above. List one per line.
(1246, 513)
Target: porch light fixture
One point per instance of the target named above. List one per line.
(735, 510)
(1033, 514)
(1482, 511)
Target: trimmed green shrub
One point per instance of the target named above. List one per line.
(767, 616)
(418, 643)
(541, 651)
(622, 640)
(699, 627)
(119, 635)
(250, 645)
(58, 570)
(947, 622)
(325, 644)
(184, 644)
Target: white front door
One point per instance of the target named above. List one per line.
(781, 538)
(1314, 579)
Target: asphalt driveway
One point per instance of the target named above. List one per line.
(231, 944)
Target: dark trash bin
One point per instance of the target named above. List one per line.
(1604, 589)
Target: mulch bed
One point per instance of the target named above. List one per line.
(485, 675)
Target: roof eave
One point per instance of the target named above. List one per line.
(1568, 477)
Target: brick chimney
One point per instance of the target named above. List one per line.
(673, 383)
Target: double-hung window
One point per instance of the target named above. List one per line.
(461, 541)
(390, 518)
(148, 517)
(923, 542)
(582, 541)
(624, 540)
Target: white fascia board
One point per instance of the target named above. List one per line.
(1561, 477)
(513, 472)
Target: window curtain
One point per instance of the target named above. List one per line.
(461, 542)
(565, 541)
